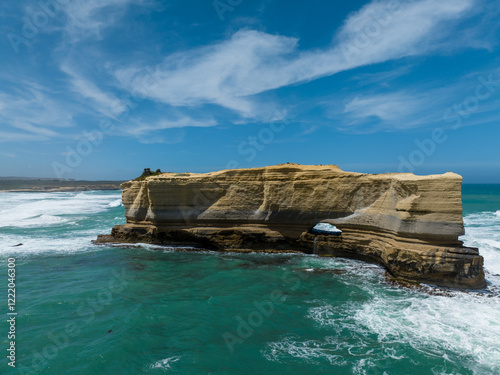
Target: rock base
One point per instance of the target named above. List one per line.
(452, 266)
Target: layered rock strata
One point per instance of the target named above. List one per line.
(409, 224)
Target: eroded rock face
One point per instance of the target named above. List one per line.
(409, 224)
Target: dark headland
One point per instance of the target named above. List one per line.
(22, 184)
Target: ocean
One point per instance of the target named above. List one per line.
(142, 309)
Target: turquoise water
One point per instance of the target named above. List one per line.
(94, 309)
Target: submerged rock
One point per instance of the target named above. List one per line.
(409, 224)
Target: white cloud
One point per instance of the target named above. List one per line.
(35, 112)
(139, 128)
(222, 74)
(90, 17)
(232, 72)
(251, 62)
(417, 105)
(105, 103)
(383, 78)
(153, 131)
(385, 30)
(386, 107)
(403, 109)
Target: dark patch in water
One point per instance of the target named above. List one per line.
(267, 261)
(246, 265)
(138, 266)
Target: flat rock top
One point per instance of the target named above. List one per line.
(292, 168)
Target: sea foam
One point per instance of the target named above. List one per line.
(166, 363)
(54, 222)
(482, 230)
(460, 328)
(46, 209)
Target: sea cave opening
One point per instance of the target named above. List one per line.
(326, 229)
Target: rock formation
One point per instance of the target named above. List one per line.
(409, 224)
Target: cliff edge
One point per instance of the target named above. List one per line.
(409, 224)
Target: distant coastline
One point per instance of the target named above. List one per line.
(48, 185)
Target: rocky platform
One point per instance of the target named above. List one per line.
(409, 224)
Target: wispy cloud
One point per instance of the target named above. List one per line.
(153, 131)
(383, 78)
(230, 72)
(33, 113)
(90, 18)
(233, 74)
(105, 103)
(386, 107)
(417, 105)
(140, 128)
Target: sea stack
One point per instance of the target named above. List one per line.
(409, 224)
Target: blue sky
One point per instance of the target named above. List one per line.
(102, 89)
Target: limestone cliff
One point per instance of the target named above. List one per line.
(409, 224)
